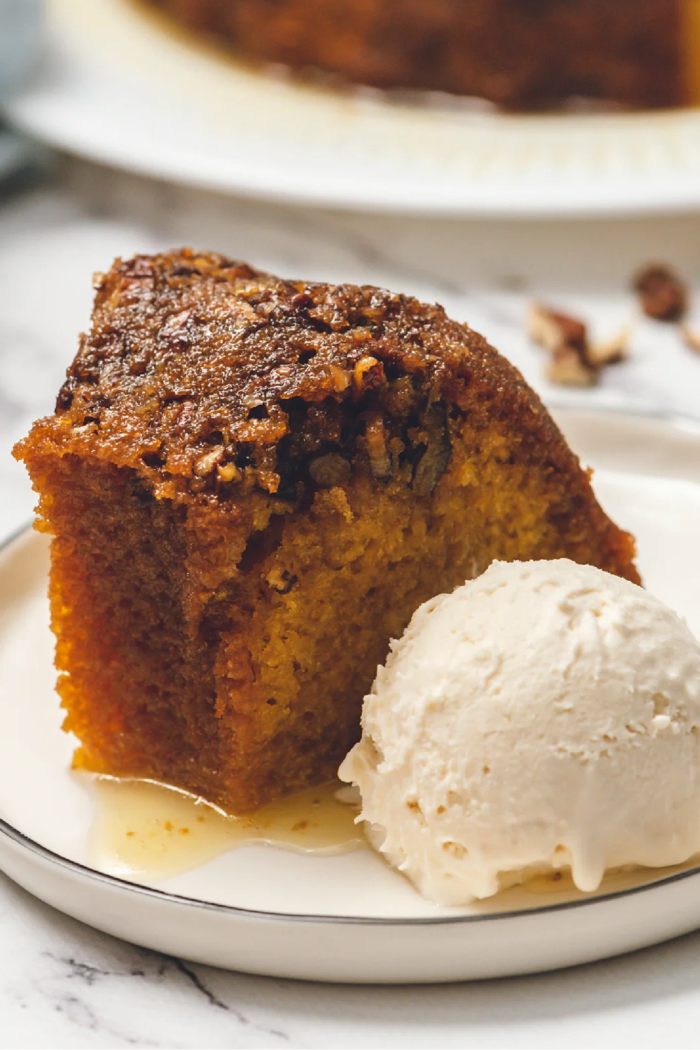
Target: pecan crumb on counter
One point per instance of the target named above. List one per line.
(575, 361)
(566, 339)
(610, 351)
(662, 292)
(691, 338)
(554, 330)
(568, 368)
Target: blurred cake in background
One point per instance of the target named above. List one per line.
(518, 54)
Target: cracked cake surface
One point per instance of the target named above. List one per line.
(251, 483)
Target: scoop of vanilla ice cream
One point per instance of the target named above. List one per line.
(544, 715)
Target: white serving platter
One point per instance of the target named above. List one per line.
(117, 87)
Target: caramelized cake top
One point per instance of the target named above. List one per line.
(205, 375)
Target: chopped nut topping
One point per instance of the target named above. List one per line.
(375, 440)
(330, 470)
(206, 463)
(341, 379)
(663, 294)
(186, 413)
(434, 461)
(176, 324)
(281, 580)
(362, 366)
(229, 472)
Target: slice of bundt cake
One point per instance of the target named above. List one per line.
(251, 484)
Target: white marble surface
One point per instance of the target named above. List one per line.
(62, 985)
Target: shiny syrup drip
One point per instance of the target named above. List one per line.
(560, 881)
(552, 882)
(143, 829)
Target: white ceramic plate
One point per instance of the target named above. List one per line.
(118, 88)
(348, 917)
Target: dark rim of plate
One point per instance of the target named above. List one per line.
(23, 841)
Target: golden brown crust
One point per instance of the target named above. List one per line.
(201, 373)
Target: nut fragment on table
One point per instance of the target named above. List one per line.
(662, 292)
(610, 351)
(691, 338)
(569, 368)
(554, 330)
(575, 361)
(566, 339)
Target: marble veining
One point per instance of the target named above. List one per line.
(64, 985)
